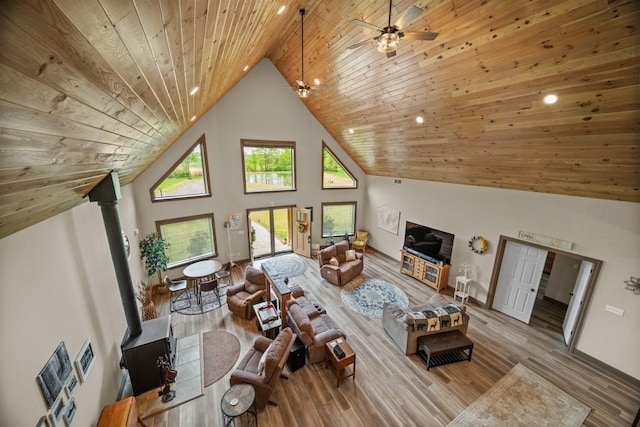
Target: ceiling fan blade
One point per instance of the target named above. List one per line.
(419, 35)
(362, 43)
(300, 83)
(316, 87)
(408, 16)
(366, 25)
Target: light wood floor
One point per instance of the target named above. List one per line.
(392, 389)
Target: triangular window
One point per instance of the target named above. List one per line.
(187, 178)
(334, 173)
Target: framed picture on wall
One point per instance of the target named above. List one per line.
(53, 376)
(57, 412)
(84, 360)
(71, 384)
(69, 412)
(43, 422)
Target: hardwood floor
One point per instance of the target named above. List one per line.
(392, 389)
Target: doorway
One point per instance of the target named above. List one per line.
(270, 231)
(547, 288)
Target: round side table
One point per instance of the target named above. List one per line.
(237, 401)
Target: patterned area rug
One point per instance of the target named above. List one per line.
(367, 296)
(221, 352)
(523, 398)
(290, 265)
(209, 302)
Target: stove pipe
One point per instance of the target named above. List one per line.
(107, 193)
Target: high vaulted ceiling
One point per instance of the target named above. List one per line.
(96, 85)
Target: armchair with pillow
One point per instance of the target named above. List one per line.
(338, 264)
(242, 297)
(263, 364)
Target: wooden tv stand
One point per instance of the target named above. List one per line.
(429, 273)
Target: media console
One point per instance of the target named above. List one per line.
(429, 271)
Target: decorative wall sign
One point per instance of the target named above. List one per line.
(235, 221)
(388, 219)
(478, 244)
(53, 377)
(544, 240)
(127, 245)
(84, 360)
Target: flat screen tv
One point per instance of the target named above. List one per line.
(433, 244)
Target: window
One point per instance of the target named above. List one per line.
(338, 219)
(268, 166)
(188, 178)
(190, 238)
(334, 173)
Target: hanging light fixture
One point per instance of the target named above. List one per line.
(388, 42)
(302, 92)
(303, 89)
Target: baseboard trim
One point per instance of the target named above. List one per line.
(607, 368)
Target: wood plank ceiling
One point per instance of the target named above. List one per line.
(97, 85)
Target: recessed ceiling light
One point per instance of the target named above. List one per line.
(350, 130)
(246, 67)
(550, 99)
(316, 81)
(193, 118)
(282, 8)
(419, 119)
(194, 90)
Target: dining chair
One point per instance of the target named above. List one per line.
(178, 287)
(208, 286)
(225, 273)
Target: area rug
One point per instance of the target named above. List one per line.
(368, 296)
(209, 302)
(523, 398)
(188, 385)
(290, 265)
(221, 351)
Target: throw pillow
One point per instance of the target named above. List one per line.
(263, 359)
(350, 255)
(438, 300)
(334, 261)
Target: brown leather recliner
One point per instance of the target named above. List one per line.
(242, 297)
(342, 273)
(263, 378)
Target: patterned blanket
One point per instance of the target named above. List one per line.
(437, 319)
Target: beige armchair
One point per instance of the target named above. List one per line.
(263, 378)
(242, 297)
(360, 240)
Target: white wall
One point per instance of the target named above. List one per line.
(259, 107)
(58, 284)
(601, 229)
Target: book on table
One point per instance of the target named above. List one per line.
(267, 314)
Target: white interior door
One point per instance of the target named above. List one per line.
(519, 279)
(576, 301)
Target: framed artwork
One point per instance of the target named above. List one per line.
(84, 360)
(53, 376)
(235, 221)
(69, 412)
(43, 422)
(388, 219)
(57, 412)
(71, 384)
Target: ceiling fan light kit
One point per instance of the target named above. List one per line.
(388, 42)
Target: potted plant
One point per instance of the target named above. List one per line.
(153, 251)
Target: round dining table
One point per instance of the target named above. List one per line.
(201, 271)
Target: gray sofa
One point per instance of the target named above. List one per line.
(406, 325)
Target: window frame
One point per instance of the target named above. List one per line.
(205, 170)
(269, 144)
(326, 147)
(176, 220)
(355, 216)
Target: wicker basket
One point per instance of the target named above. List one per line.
(149, 311)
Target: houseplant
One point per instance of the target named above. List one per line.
(153, 251)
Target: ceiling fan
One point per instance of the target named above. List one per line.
(389, 38)
(304, 90)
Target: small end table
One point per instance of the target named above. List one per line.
(269, 329)
(237, 401)
(341, 364)
(462, 289)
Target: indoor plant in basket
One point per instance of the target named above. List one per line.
(153, 251)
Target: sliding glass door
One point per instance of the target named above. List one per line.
(270, 231)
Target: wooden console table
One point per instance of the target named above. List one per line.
(276, 284)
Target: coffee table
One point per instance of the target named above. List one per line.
(341, 364)
(269, 329)
(446, 347)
